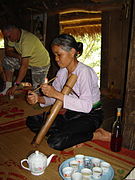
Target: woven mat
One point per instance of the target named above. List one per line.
(13, 113)
(16, 146)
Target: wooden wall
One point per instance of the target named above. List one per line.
(129, 103)
(1, 57)
(51, 32)
(118, 66)
(115, 30)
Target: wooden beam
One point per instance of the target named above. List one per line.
(76, 16)
(82, 24)
(79, 11)
(72, 7)
(76, 21)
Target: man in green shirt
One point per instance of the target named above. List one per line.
(22, 51)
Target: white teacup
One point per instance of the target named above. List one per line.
(105, 167)
(11, 97)
(86, 173)
(74, 164)
(97, 172)
(95, 162)
(67, 172)
(76, 176)
(80, 159)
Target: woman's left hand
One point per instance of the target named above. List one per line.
(48, 90)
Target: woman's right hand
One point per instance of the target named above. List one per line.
(32, 97)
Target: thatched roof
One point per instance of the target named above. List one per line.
(80, 23)
(90, 29)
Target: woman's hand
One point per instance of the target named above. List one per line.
(32, 97)
(48, 90)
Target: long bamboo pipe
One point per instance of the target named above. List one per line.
(55, 110)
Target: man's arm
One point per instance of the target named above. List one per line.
(23, 69)
(21, 75)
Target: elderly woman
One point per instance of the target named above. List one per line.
(83, 115)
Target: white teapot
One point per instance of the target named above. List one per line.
(37, 163)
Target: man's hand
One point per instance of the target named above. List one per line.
(11, 91)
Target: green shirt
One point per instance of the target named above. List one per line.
(31, 47)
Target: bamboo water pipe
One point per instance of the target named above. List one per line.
(55, 110)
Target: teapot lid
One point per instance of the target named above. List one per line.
(37, 155)
(37, 152)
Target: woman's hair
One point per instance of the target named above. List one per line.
(67, 42)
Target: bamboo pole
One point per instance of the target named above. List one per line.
(47, 82)
(55, 110)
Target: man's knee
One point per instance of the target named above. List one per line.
(10, 63)
(5, 62)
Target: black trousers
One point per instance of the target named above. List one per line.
(68, 129)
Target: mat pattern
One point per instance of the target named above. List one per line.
(15, 145)
(13, 113)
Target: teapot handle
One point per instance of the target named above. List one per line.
(23, 165)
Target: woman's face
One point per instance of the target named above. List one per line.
(63, 58)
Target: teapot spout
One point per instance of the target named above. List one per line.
(50, 158)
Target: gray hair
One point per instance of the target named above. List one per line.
(67, 42)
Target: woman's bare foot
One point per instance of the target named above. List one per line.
(78, 145)
(102, 135)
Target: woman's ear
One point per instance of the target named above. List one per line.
(73, 51)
